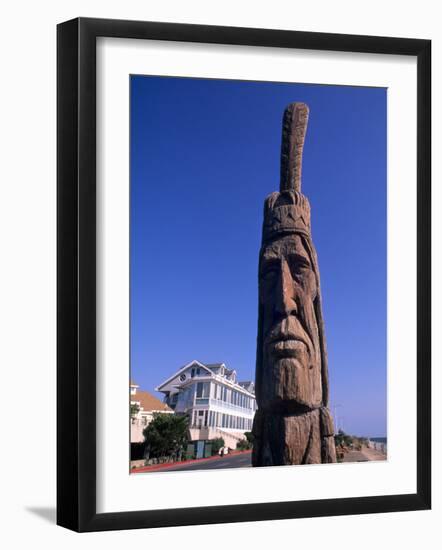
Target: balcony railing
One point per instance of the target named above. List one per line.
(228, 406)
(184, 404)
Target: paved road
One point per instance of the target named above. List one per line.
(365, 455)
(354, 456)
(230, 461)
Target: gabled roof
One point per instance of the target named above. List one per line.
(194, 362)
(149, 402)
(173, 384)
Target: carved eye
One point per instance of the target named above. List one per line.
(298, 266)
(304, 266)
(269, 273)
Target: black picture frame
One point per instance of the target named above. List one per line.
(77, 287)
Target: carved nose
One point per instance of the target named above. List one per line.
(286, 299)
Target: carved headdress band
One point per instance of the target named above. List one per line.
(289, 210)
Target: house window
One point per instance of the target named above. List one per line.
(202, 390)
(199, 418)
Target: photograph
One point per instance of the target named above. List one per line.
(258, 274)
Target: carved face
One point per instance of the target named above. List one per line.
(291, 352)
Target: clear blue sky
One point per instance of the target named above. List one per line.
(204, 155)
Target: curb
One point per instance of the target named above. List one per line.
(184, 462)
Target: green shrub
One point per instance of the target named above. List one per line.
(217, 444)
(245, 444)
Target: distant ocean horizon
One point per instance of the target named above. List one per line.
(379, 439)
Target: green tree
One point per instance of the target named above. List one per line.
(340, 438)
(134, 409)
(166, 435)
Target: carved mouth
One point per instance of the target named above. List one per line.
(288, 346)
(289, 337)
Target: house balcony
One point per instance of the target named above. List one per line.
(223, 406)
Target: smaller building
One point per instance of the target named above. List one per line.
(145, 406)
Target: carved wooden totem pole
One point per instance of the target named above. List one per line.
(292, 424)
